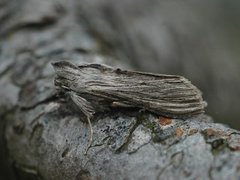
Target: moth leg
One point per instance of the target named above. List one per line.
(120, 104)
(91, 135)
(88, 110)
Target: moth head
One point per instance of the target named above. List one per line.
(65, 69)
(66, 73)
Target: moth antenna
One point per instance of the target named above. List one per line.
(91, 135)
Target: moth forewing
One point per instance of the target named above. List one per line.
(172, 96)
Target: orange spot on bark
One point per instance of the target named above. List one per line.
(192, 131)
(214, 132)
(210, 132)
(165, 121)
(179, 132)
(234, 143)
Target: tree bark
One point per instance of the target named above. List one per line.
(45, 137)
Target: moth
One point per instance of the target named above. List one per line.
(97, 88)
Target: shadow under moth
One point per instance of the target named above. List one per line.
(96, 88)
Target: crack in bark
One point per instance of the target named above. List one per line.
(45, 101)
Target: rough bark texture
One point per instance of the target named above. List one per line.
(43, 137)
